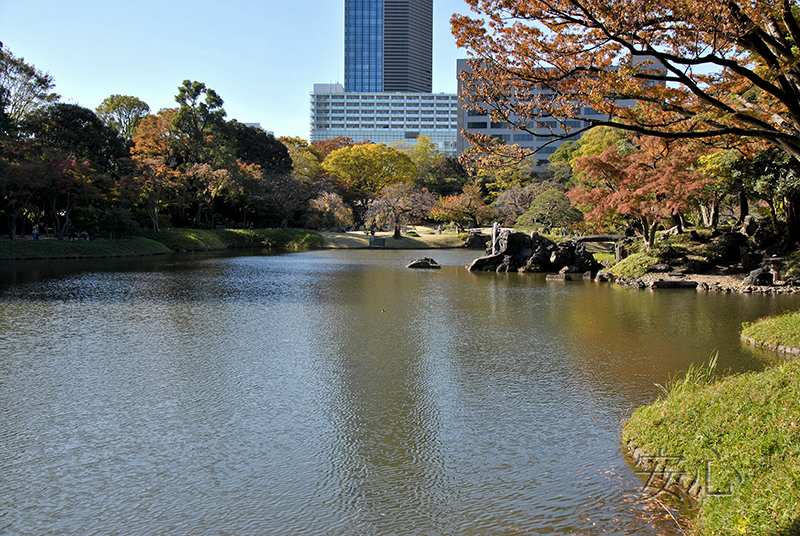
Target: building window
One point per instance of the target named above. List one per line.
(477, 125)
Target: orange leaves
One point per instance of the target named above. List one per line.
(692, 68)
(656, 180)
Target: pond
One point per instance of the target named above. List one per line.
(335, 392)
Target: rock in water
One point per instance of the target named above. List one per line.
(424, 262)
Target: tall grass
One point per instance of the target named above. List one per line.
(696, 376)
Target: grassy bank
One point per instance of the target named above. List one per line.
(421, 238)
(205, 240)
(736, 440)
(779, 331)
(79, 249)
(159, 243)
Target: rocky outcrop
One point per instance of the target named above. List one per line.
(424, 262)
(759, 277)
(518, 252)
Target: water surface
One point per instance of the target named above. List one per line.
(335, 392)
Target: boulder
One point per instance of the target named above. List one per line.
(751, 260)
(673, 283)
(424, 262)
(659, 268)
(696, 266)
(534, 253)
(749, 226)
(604, 277)
(761, 277)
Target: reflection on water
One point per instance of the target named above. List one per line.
(334, 393)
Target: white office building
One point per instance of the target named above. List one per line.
(384, 117)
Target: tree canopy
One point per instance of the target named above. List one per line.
(123, 113)
(25, 88)
(696, 69)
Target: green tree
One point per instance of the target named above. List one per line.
(551, 208)
(199, 123)
(24, 170)
(425, 154)
(77, 133)
(123, 113)
(25, 89)
(254, 146)
(306, 159)
(362, 171)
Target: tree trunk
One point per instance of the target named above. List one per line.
(649, 232)
(744, 206)
(677, 221)
(198, 217)
(153, 213)
(791, 206)
(710, 214)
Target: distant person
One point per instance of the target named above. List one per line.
(73, 232)
(36, 232)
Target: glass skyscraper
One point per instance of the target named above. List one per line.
(388, 46)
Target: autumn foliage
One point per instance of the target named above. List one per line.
(648, 180)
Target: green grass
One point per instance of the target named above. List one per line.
(161, 242)
(741, 435)
(782, 330)
(78, 249)
(202, 240)
(634, 266)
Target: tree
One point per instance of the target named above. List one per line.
(466, 207)
(647, 181)
(23, 172)
(696, 69)
(254, 146)
(515, 201)
(328, 210)
(719, 168)
(776, 180)
(77, 133)
(306, 159)
(25, 89)
(425, 154)
(123, 113)
(326, 147)
(68, 184)
(364, 170)
(154, 184)
(285, 194)
(448, 176)
(398, 204)
(551, 208)
(155, 139)
(199, 123)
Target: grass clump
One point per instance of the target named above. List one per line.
(782, 330)
(634, 266)
(738, 438)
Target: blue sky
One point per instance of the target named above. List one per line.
(262, 57)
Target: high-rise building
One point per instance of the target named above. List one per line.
(387, 94)
(388, 46)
